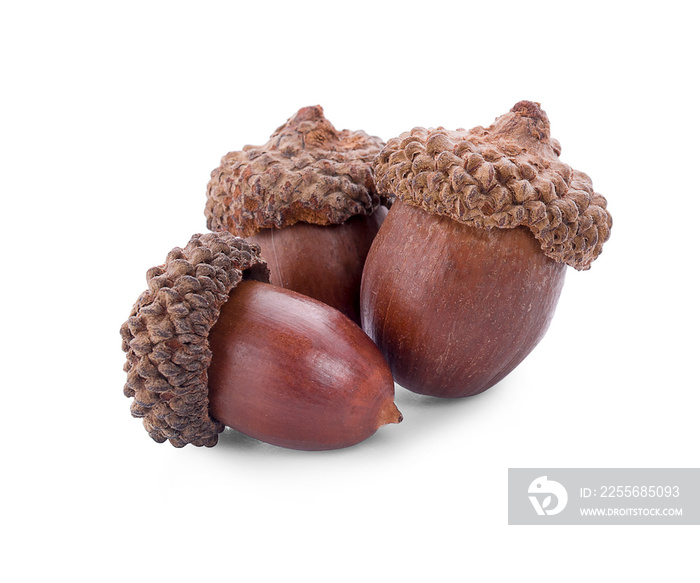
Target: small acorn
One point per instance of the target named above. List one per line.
(211, 344)
(463, 278)
(307, 197)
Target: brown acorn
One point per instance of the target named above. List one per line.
(463, 278)
(307, 197)
(210, 344)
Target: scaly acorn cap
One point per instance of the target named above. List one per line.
(503, 176)
(308, 171)
(166, 338)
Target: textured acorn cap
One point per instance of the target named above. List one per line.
(503, 176)
(308, 171)
(166, 337)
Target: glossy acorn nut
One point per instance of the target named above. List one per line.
(464, 316)
(307, 197)
(322, 262)
(211, 344)
(464, 276)
(292, 371)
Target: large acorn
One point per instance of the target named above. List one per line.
(307, 197)
(464, 276)
(210, 344)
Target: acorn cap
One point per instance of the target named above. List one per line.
(308, 171)
(504, 176)
(166, 337)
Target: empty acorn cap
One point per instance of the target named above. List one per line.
(503, 176)
(166, 335)
(308, 171)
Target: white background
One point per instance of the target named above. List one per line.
(113, 116)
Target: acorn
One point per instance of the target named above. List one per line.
(464, 276)
(307, 197)
(212, 344)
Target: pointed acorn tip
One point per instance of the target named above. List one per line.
(390, 414)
